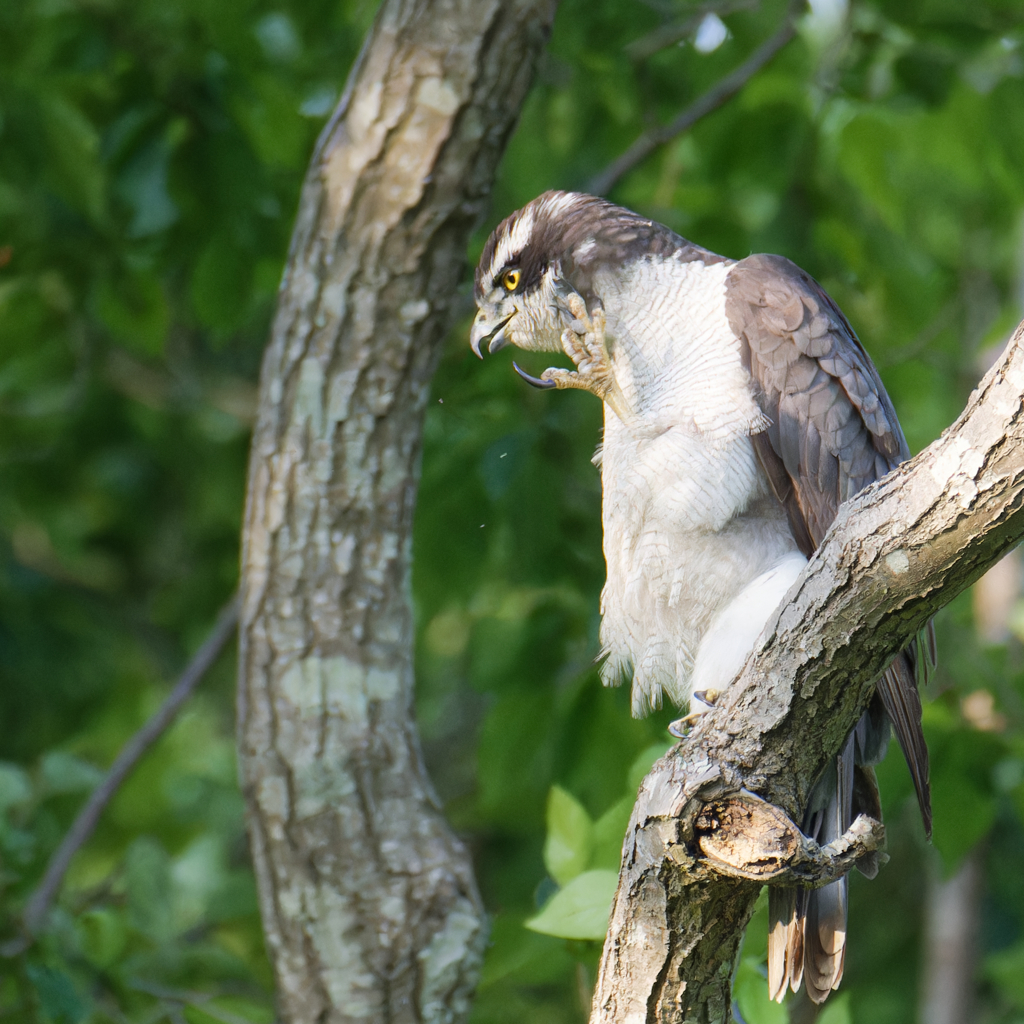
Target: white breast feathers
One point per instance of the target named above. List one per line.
(689, 522)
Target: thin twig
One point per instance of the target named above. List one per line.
(38, 906)
(674, 32)
(603, 181)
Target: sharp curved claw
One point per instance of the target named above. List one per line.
(537, 382)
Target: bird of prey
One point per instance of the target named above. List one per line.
(740, 411)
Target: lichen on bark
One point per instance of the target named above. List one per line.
(368, 900)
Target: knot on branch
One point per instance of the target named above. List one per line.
(744, 836)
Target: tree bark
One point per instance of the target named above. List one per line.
(896, 553)
(368, 901)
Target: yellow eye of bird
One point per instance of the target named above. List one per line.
(510, 279)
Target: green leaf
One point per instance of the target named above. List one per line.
(148, 880)
(64, 773)
(750, 990)
(532, 958)
(101, 936)
(57, 996)
(135, 311)
(581, 909)
(837, 1011)
(74, 151)
(569, 837)
(15, 787)
(142, 184)
(270, 116)
(963, 795)
(755, 938)
(1006, 970)
(608, 834)
(221, 284)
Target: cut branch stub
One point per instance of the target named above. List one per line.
(747, 837)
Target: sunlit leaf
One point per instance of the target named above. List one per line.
(750, 990)
(580, 910)
(569, 840)
(836, 1010)
(608, 834)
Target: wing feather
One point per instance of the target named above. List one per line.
(833, 431)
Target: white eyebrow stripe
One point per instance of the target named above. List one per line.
(514, 241)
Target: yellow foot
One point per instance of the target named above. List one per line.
(681, 726)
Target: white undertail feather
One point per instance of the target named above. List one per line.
(689, 525)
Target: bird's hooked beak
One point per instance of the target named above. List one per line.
(485, 330)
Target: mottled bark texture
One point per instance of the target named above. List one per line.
(895, 554)
(368, 900)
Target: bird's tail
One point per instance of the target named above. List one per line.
(807, 927)
(898, 690)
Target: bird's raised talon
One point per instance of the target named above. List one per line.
(537, 382)
(585, 344)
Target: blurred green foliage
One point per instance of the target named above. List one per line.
(150, 160)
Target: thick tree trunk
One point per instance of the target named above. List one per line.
(369, 903)
(699, 846)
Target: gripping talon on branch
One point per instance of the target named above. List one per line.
(681, 726)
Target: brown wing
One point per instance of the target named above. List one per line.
(833, 431)
(833, 428)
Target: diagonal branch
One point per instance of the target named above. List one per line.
(896, 553)
(38, 906)
(603, 181)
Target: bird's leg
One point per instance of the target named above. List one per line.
(585, 344)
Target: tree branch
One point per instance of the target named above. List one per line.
(603, 181)
(674, 32)
(896, 553)
(38, 905)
